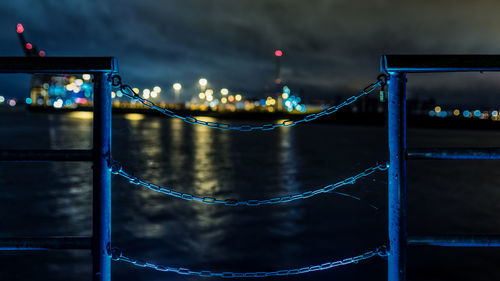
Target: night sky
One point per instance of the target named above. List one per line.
(330, 47)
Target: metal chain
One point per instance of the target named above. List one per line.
(128, 91)
(117, 255)
(117, 169)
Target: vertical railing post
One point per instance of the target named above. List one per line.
(101, 194)
(397, 177)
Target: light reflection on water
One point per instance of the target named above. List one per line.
(56, 198)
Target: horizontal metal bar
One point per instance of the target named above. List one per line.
(439, 63)
(45, 243)
(57, 65)
(46, 155)
(453, 153)
(455, 241)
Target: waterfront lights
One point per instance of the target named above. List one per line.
(145, 93)
(278, 53)
(209, 94)
(177, 86)
(456, 112)
(224, 91)
(86, 77)
(136, 90)
(203, 82)
(437, 109)
(270, 101)
(223, 100)
(201, 95)
(238, 97)
(58, 103)
(158, 89)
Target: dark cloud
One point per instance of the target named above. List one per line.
(331, 47)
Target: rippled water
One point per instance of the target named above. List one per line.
(49, 199)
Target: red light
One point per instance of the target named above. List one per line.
(278, 53)
(20, 28)
(29, 46)
(81, 100)
(42, 53)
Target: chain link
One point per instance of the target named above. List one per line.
(117, 255)
(117, 169)
(128, 91)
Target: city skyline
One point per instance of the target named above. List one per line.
(336, 52)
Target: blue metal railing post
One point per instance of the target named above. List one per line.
(397, 177)
(101, 195)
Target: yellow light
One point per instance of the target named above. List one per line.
(437, 109)
(81, 115)
(69, 87)
(203, 82)
(78, 82)
(209, 98)
(154, 94)
(134, 116)
(224, 91)
(456, 112)
(201, 95)
(230, 98)
(145, 93)
(209, 92)
(223, 100)
(177, 86)
(284, 96)
(113, 95)
(157, 89)
(136, 90)
(238, 97)
(86, 77)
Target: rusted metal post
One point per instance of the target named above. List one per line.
(397, 177)
(101, 199)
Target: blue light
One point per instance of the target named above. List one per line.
(477, 113)
(432, 113)
(29, 101)
(443, 114)
(466, 113)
